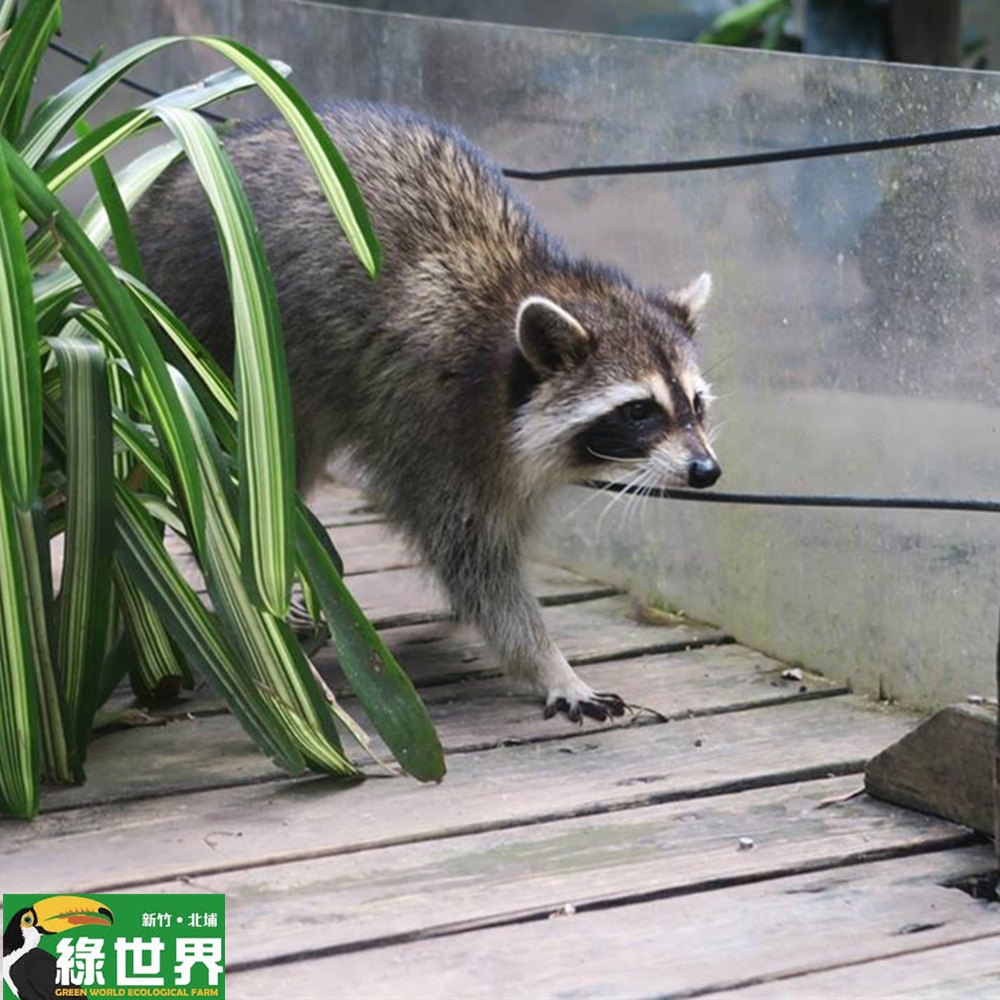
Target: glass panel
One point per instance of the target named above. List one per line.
(853, 335)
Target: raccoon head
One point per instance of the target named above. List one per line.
(615, 389)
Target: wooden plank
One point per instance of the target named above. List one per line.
(966, 971)
(368, 548)
(208, 751)
(409, 596)
(334, 504)
(586, 631)
(482, 713)
(444, 653)
(285, 820)
(352, 900)
(680, 946)
(945, 767)
(365, 547)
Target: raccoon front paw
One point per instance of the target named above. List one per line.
(596, 705)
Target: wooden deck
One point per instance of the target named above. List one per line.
(717, 846)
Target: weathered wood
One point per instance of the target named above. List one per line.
(351, 900)
(966, 971)
(674, 946)
(365, 547)
(944, 767)
(368, 548)
(334, 504)
(209, 751)
(409, 596)
(586, 631)
(284, 820)
(443, 653)
(480, 713)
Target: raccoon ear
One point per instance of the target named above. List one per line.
(694, 297)
(548, 336)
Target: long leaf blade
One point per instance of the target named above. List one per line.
(20, 55)
(85, 596)
(387, 694)
(270, 649)
(195, 631)
(331, 171)
(20, 368)
(117, 306)
(20, 737)
(265, 458)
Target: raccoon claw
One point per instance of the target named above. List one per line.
(599, 706)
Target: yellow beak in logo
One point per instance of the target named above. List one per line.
(62, 913)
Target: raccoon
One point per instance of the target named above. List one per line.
(482, 370)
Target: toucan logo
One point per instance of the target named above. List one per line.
(29, 971)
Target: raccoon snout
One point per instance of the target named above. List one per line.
(703, 472)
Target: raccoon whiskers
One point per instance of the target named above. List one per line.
(640, 491)
(713, 433)
(592, 495)
(630, 481)
(613, 458)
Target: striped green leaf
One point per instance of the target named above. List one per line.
(268, 645)
(331, 171)
(265, 456)
(196, 631)
(60, 761)
(157, 674)
(20, 733)
(20, 746)
(36, 23)
(7, 10)
(85, 595)
(137, 343)
(56, 116)
(111, 198)
(20, 369)
(79, 155)
(387, 694)
(132, 182)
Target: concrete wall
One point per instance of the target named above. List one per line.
(852, 341)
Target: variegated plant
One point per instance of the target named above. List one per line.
(113, 424)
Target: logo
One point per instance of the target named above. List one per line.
(113, 945)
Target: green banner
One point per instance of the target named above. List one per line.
(114, 945)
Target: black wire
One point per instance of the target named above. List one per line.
(84, 61)
(753, 159)
(805, 500)
(126, 82)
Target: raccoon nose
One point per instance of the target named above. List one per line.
(703, 472)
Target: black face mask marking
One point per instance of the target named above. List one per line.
(628, 431)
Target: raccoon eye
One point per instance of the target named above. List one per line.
(699, 406)
(639, 410)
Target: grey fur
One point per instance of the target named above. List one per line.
(465, 409)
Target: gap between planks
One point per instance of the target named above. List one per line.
(415, 891)
(670, 947)
(208, 831)
(198, 752)
(949, 970)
